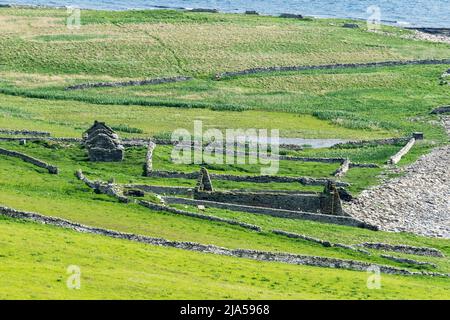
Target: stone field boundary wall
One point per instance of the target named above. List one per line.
(317, 217)
(223, 75)
(441, 110)
(420, 251)
(319, 241)
(128, 83)
(51, 169)
(164, 208)
(212, 249)
(314, 203)
(183, 191)
(256, 179)
(115, 191)
(25, 133)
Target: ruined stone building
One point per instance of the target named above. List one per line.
(103, 144)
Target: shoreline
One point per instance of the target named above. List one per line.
(441, 31)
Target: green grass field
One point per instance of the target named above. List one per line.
(40, 57)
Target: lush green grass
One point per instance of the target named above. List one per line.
(36, 268)
(171, 41)
(26, 187)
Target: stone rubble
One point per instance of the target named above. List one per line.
(418, 202)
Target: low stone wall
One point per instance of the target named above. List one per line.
(25, 133)
(256, 179)
(399, 155)
(309, 159)
(211, 249)
(128, 83)
(110, 189)
(319, 241)
(114, 191)
(163, 208)
(74, 140)
(314, 203)
(323, 218)
(364, 143)
(419, 251)
(303, 237)
(222, 75)
(364, 165)
(148, 166)
(183, 191)
(441, 110)
(408, 261)
(343, 169)
(51, 169)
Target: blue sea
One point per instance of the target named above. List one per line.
(408, 13)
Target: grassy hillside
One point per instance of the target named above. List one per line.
(36, 268)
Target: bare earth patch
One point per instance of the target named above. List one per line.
(418, 202)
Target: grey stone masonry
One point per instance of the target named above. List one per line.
(307, 181)
(408, 261)
(327, 202)
(103, 187)
(330, 67)
(25, 133)
(51, 169)
(103, 144)
(211, 249)
(280, 213)
(343, 169)
(204, 181)
(441, 110)
(399, 155)
(420, 251)
(128, 83)
(148, 166)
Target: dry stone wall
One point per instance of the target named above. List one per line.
(25, 133)
(420, 251)
(241, 178)
(280, 213)
(158, 207)
(51, 169)
(399, 155)
(220, 76)
(325, 203)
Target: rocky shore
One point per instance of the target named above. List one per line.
(417, 202)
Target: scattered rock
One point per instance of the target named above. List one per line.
(417, 202)
(351, 25)
(441, 110)
(204, 10)
(291, 16)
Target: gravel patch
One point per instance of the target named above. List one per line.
(418, 202)
(419, 35)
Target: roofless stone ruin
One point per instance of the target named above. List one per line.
(103, 144)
